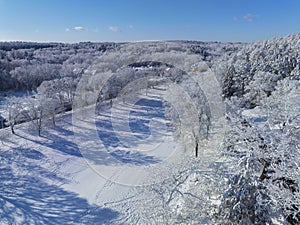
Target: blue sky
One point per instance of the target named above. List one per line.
(134, 20)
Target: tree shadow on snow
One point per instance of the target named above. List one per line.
(30, 194)
(139, 120)
(134, 158)
(58, 139)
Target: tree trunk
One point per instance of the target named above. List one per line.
(53, 119)
(12, 129)
(39, 125)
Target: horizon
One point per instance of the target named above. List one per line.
(134, 21)
(137, 41)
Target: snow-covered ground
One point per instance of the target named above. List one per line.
(64, 177)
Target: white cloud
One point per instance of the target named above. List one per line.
(131, 27)
(249, 17)
(114, 29)
(78, 28)
(67, 29)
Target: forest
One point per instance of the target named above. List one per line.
(250, 174)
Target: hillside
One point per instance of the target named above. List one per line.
(177, 132)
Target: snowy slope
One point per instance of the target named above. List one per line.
(54, 184)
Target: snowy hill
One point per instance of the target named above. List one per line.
(177, 132)
(51, 181)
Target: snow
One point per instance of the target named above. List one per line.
(255, 117)
(132, 137)
(136, 142)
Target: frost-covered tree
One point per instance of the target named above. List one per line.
(39, 109)
(283, 112)
(246, 201)
(283, 106)
(259, 64)
(269, 156)
(62, 90)
(188, 196)
(262, 86)
(15, 112)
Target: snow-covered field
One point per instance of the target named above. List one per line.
(52, 180)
